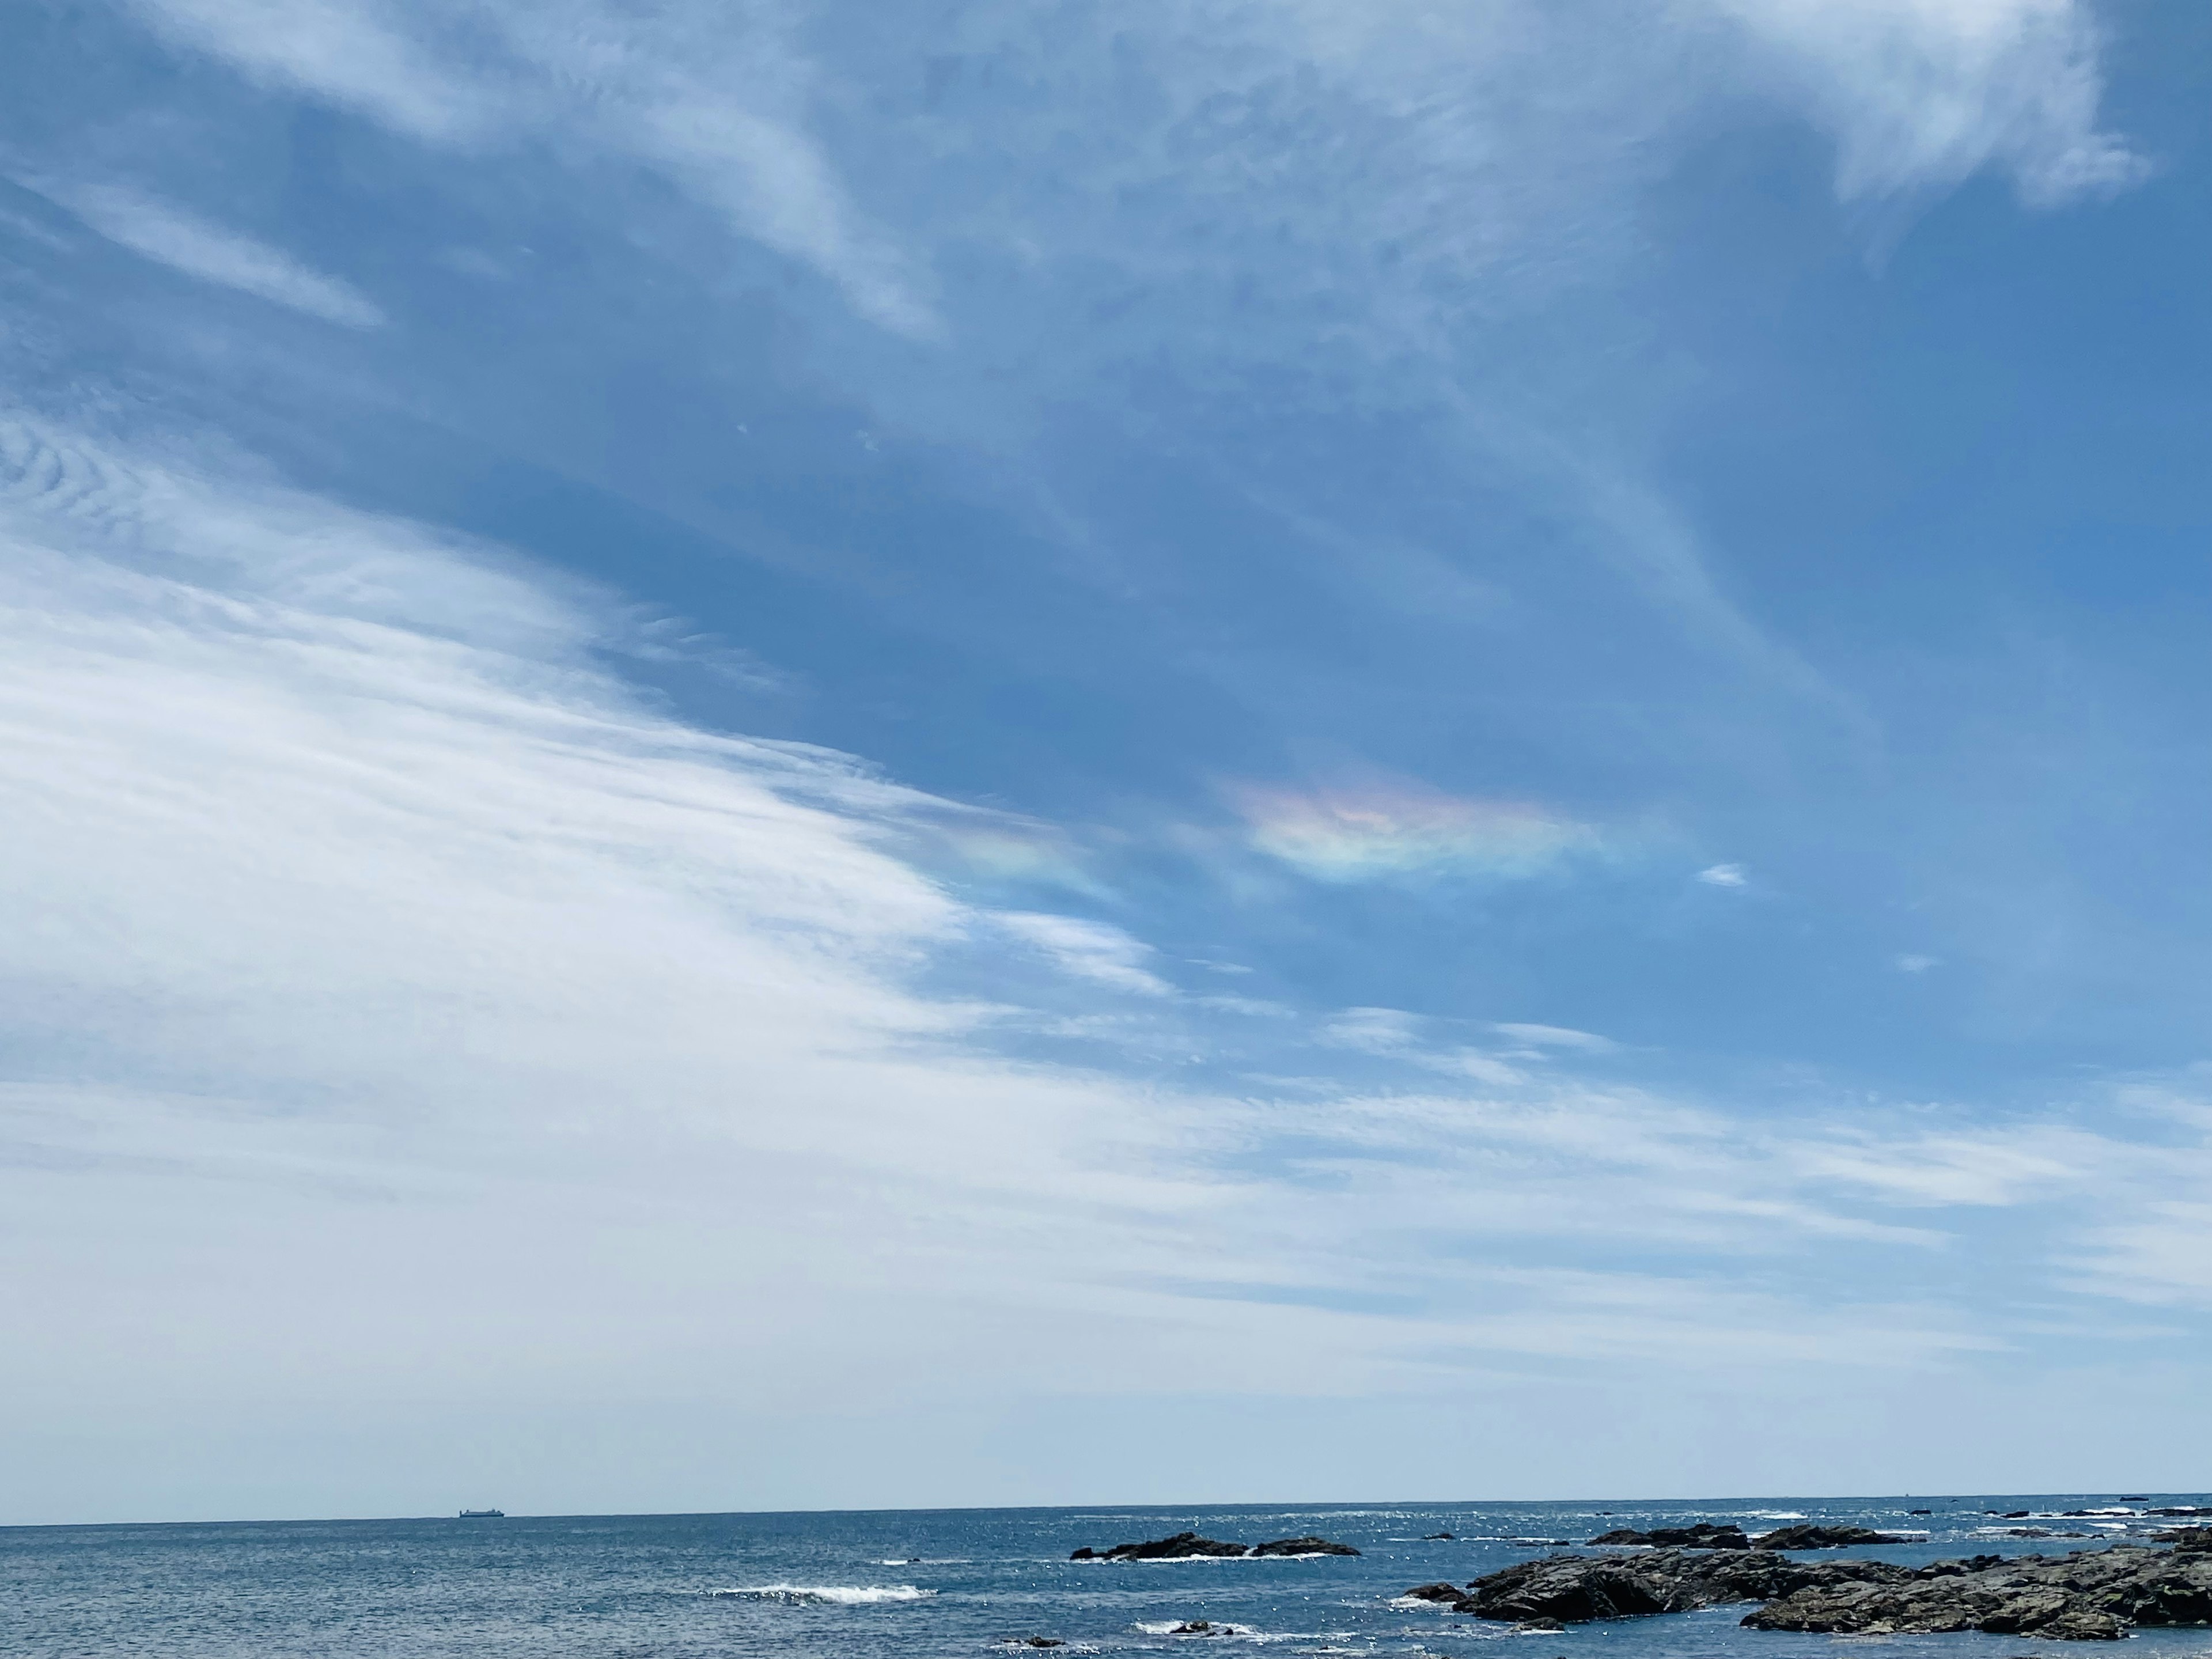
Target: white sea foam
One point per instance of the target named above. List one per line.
(843, 1595)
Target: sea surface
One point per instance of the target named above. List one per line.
(929, 1582)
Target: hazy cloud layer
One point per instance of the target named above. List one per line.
(342, 872)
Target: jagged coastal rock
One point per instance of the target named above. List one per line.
(1579, 1588)
(2088, 1595)
(1183, 1545)
(1180, 1547)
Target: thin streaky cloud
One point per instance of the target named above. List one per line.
(1095, 951)
(1555, 1036)
(172, 235)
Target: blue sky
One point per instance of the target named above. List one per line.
(770, 756)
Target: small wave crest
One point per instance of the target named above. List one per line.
(841, 1595)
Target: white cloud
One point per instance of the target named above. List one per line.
(1373, 1030)
(708, 95)
(1090, 950)
(163, 232)
(1921, 94)
(1912, 962)
(1989, 1168)
(354, 924)
(1723, 875)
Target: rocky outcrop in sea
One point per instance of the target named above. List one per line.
(1706, 1536)
(2090, 1595)
(1185, 1545)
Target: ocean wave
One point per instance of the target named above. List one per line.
(841, 1595)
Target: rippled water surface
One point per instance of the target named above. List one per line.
(949, 1582)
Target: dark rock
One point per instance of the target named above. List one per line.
(1307, 1546)
(1540, 1624)
(2186, 1541)
(2085, 1627)
(1180, 1547)
(1955, 1565)
(2027, 1532)
(1576, 1588)
(1573, 1592)
(1824, 1538)
(1920, 1511)
(1436, 1593)
(1703, 1537)
(2010, 1515)
(1044, 1642)
(1431, 1537)
(1185, 1545)
(2088, 1595)
(1202, 1627)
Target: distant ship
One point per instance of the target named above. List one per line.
(484, 1515)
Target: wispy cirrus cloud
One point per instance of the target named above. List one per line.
(713, 97)
(1921, 94)
(1095, 951)
(170, 235)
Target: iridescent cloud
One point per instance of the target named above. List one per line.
(1367, 834)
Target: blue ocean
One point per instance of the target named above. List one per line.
(929, 1582)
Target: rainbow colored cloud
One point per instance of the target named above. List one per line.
(1370, 834)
